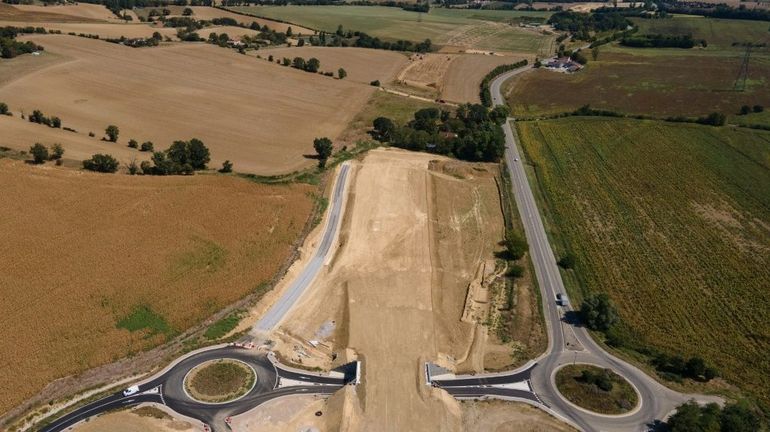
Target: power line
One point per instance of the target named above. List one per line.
(743, 72)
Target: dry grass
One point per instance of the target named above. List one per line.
(462, 80)
(500, 416)
(14, 13)
(362, 65)
(82, 251)
(263, 117)
(20, 135)
(131, 421)
(208, 13)
(620, 399)
(220, 381)
(103, 30)
(81, 11)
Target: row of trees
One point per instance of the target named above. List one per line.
(736, 417)
(484, 94)
(472, 134)
(10, 47)
(183, 157)
(38, 117)
(40, 153)
(745, 109)
(661, 41)
(582, 26)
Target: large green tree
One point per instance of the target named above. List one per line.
(323, 147)
(598, 312)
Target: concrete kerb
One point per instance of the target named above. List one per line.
(529, 365)
(181, 359)
(278, 365)
(189, 396)
(593, 413)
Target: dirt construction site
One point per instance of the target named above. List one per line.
(418, 231)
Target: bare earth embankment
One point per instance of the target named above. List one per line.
(419, 229)
(99, 266)
(256, 114)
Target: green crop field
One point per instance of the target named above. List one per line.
(481, 29)
(673, 222)
(719, 33)
(658, 82)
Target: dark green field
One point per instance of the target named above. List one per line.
(673, 222)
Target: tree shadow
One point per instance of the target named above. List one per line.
(311, 156)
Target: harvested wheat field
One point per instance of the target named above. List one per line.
(362, 65)
(260, 116)
(462, 80)
(87, 256)
(20, 135)
(233, 32)
(416, 232)
(86, 11)
(15, 13)
(103, 30)
(453, 77)
(208, 13)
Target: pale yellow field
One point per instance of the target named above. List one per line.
(12, 13)
(263, 117)
(232, 31)
(452, 77)
(104, 30)
(207, 13)
(21, 135)
(362, 65)
(81, 10)
(462, 80)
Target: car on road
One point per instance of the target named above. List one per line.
(131, 390)
(561, 299)
(515, 159)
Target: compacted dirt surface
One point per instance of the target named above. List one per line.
(499, 416)
(129, 421)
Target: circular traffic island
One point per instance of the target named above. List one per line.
(219, 381)
(595, 389)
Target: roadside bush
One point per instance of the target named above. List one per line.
(515, 271)
(375, 83)
(713, 119)
(383, 128)
(515, 245)
(3, 108)
(602, 379)
(744, 110)
(56, 122)
(112, 133)
(324, 148)
(132, 143)
(598, 312)
(39, 153)
(57, 151)
(132, 167)
(758, 108)
(227, 167)
(147, 146)
(567, 262)
(736, 417)
(101, 163)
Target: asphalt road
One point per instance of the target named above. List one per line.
(568, 342)
(298, 287)
(169, 384)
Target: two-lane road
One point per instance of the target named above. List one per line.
(568, 343)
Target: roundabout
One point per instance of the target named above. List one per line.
(597, 390)
(220, 381)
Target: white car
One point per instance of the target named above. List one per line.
(131, 390)
(515, 159)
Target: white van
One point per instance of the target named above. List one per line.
(131, 390)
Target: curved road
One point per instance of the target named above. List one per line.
(567, 342)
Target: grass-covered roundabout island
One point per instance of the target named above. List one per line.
(219, 381)
(596, 389)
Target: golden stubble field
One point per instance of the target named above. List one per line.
(81, 251)
(453, 77)
(262, 117)
(362, 65)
